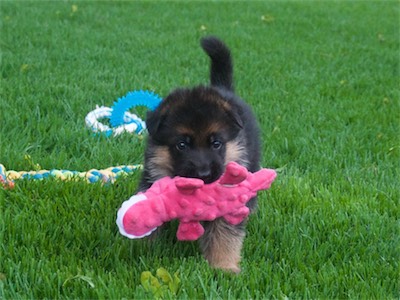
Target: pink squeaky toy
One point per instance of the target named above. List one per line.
(191, 201)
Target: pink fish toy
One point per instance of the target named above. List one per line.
(191, 201)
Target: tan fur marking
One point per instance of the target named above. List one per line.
(185, 131)
(222, 245)
(159, 163)
(225, 105)
(203, 138)
(214, 128)
(236, 152)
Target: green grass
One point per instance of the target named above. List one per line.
(323, 78)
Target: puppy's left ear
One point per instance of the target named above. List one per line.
(232, 111)
(235, 116)
(237, 123)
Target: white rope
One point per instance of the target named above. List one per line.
(132, 123)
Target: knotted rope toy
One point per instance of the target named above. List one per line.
(108, 175)
(121, 121)
(191, 201)
(120, 118)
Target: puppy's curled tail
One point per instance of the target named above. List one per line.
(221, 62)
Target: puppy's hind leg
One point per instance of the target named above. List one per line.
(222, 244)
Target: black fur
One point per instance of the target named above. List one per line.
(221, 62)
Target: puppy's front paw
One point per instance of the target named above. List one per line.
(222, 260)
(229, 267)
(221, 245)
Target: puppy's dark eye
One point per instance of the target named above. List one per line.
(181, 146)
(216, 145)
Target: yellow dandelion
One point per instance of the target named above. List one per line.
(24, 67)
(267, 18)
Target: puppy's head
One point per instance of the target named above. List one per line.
(191, 134)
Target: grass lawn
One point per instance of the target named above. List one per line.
(323, 79)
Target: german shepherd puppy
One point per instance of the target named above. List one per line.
(195, 132)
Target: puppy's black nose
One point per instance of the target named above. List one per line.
(204, 175)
